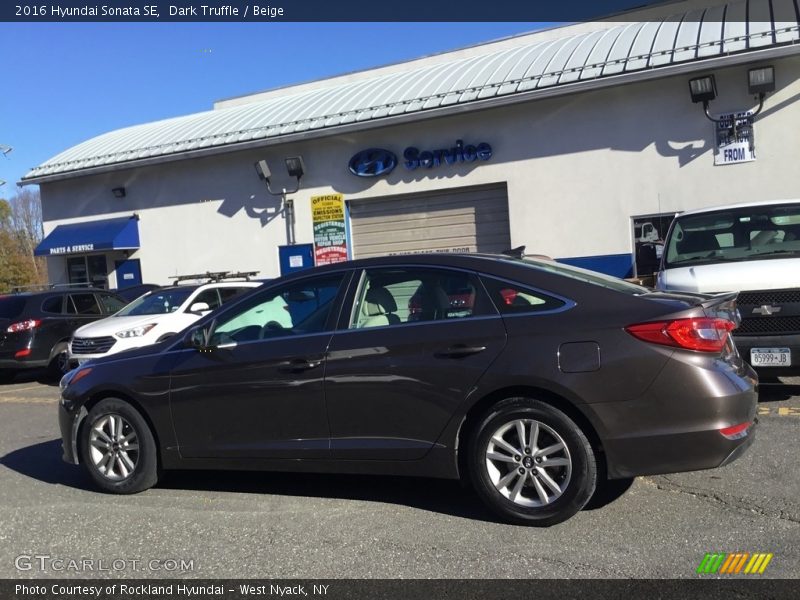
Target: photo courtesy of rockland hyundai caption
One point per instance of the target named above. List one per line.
(533, 382)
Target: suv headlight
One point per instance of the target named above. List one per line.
(135, 331)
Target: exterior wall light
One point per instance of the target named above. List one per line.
(296, 169)
(760, 81)
(119, 192)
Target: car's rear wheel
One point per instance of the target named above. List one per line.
(118, 449)
(7, 375)
(530, 463)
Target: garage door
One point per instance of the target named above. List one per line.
(462, 220)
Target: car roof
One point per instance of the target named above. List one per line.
(473, 261)
(737, 205)
(55, 291)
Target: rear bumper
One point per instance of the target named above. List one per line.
(676, 426)
(744, 343)
(14, 364)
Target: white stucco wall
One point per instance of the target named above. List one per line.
(577, 168)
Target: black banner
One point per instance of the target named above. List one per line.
(432, 589)
(317, 10)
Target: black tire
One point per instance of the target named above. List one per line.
(7, 375)
(574, 472)
(59, 363)
(144, 475)
(166, 336)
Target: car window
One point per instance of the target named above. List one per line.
(293, 309)
(393, 296)
(510, 298)
(228, 293)
(11, 306)
(111, 304)
(54, 305)
(84, 304)
(210, 297)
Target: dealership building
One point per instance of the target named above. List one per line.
(578, 142)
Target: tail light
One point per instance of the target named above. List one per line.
(703, 334)
(23, 326)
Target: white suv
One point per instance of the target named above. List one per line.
(152, 318)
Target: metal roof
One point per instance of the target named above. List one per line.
(531, 69)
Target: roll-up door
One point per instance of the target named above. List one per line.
(457, 220)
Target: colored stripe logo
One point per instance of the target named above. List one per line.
(735, 563)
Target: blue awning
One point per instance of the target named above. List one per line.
(91, 236)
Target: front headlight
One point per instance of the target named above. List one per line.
(135, 332)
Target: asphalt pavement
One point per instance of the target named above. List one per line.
(265, 525)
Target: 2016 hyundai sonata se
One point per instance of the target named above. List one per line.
(532, 380)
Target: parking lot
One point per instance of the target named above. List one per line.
(211, 525)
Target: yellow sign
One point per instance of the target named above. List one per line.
(327, 208)
(330, 230)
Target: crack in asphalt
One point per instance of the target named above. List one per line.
(663, 482)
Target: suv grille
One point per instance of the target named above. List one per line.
(768, 297)
(98, 345)
(780, 325)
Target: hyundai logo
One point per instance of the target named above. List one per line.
(372, 162)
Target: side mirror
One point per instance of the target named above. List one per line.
(198, 339)
(199, 307)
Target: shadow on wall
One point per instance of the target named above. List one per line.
(557, 127)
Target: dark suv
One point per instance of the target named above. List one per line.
(35, 327)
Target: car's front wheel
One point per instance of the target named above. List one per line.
(118, 449)
(59, 363)
(530, 463)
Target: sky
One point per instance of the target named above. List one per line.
(61, 84)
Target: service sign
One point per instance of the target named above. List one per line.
(330, 232)
(734, 137)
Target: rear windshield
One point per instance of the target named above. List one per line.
(585, 275)
(751, 233)
(11, 306)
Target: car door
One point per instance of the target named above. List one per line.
(255, 389)
(416, 342)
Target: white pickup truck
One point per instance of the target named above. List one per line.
(753, 249)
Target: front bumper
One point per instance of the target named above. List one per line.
(744, 343)
(69, 422)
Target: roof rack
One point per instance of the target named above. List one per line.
(48, 286)
(215, 276)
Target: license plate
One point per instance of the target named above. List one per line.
(770, 357)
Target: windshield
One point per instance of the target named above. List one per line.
(157, 303)
(751, 233)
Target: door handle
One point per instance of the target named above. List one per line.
(459, 351)
(299, 365)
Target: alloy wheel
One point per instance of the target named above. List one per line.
(528, 462)
(113, 447)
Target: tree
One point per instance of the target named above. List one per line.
(20, 232)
